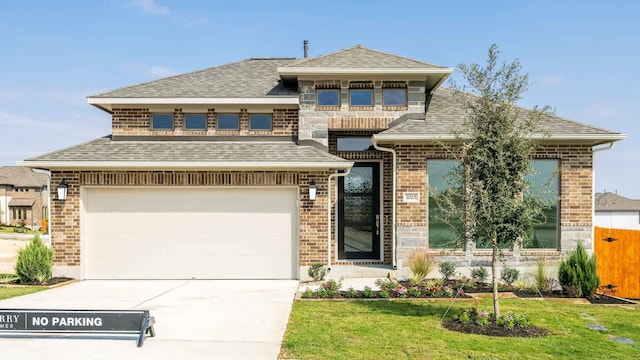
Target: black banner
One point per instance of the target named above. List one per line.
(70, 321)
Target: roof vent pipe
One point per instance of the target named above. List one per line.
(306, 48)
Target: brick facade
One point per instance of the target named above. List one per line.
(576, 163)
(137, 122)
(66, 242)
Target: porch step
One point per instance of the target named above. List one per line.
(361, 271)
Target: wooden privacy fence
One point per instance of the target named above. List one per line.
(618, 257)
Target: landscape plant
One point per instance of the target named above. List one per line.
(317, 271)
(489, 189)
(479, 274)
(509, 275)
(420, 263)
(448, 270)
(578, 273)
(34, 262)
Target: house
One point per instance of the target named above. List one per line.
(23, 196)
(616, 211)
(262, 167)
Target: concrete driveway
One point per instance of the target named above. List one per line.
(195, 319)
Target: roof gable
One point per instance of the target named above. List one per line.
(613, 202)
(361, 57)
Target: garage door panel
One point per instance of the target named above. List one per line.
(189, 233)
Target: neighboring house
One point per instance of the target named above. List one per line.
(616, 212)
(23, 196)
(262, 167)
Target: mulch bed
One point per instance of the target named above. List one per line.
(51, 282)
(494, 330)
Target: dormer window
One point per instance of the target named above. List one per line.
(195, 121)
(162, 121)
(260, 122)
(328, 97)
(228, 121)
(394, 97)
(361, 97)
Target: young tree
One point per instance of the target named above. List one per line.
(489, 190)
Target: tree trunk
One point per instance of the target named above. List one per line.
(494, 275)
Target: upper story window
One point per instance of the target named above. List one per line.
(328, 97)
(394, 97)
(228, 121)
(195, 121)
(22, 190)
(356, 143)
(361, 97)
(162, 121)
(260, 122)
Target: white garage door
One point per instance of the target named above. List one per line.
(184, 233)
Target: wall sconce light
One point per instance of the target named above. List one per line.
(62, 190)
(313, 188)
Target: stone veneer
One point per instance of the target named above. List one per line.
(65, 222)
(317, 121)
(576, 162)
(137, 121)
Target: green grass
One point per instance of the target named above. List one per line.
(14, 230)
(412, 330)
(11, 291)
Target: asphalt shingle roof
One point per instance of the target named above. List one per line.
(243, 79)
(104, 149)
(19, 176)
(361, 57)
(614, 202)
(445, 115)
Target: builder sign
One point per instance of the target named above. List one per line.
(137, 322)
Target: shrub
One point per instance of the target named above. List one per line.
(317, 272)
(509, 275)
(420, 264)
(351, 293)
(578, 272)
(367, 292)
(308, 293)
(329, 289)
(479, 274)
(448, 270)
(541, 277)
(388, 285)
(34, 262)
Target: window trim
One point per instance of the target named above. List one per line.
(406, 96)
(173, 121)
(337, 90)
(351, 90)
(184, 125)
(227, 129)
(260, 114)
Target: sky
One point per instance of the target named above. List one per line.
(582, 57)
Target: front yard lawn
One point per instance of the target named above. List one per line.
(411, 330)
(12, 291)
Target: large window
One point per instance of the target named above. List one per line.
(228, 122)
(260, 122)
(544, 181)
(195, 121)
(162, 121)
(361, 97)
(328, 97)
(441, 234)
(394, 97)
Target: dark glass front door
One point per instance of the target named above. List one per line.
(359, 212)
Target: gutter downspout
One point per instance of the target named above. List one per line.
(593, 191)
(394, 192)
(329, 208)
(48, 173)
